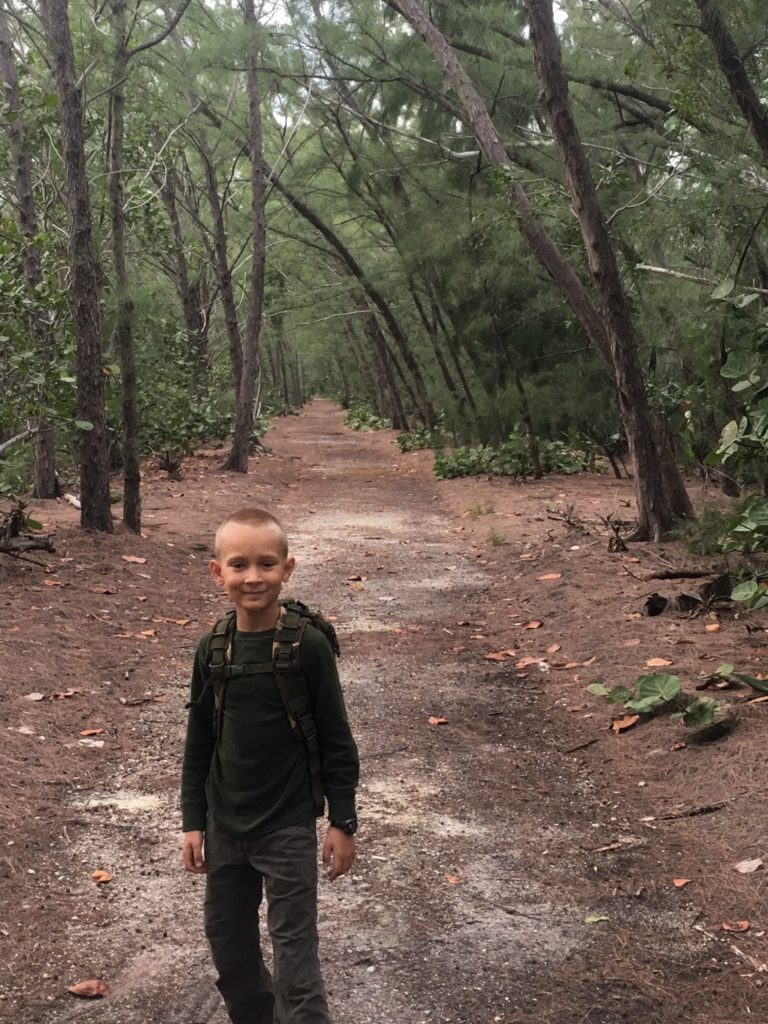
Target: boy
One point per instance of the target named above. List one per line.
(247, 800)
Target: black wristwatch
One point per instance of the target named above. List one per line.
(349, 825)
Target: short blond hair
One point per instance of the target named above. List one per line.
(253, 517)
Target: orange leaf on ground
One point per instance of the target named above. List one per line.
(571, 664)
(52, 583)
(679, 745)
(631, 643)
(549, 576)
(137, 559)
(735, 926)
(533, 624)
(680, 883)
(92, 989)
(578, 707)
(101, 590)
(148, 632)
(527, 661)
(589, 661)
(433, 720)
(622, 724)
(496, 656)
(453, 879)
(101, 877)
(459, 649)
(713, 627)
(657, 662)
(553, 648)
(91, 732)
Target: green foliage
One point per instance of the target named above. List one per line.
(421, 438)
(747, 532)
(484, 508)
(512, 458)
(753, 593)
(361, 417)
(496, 538)
(654, 692)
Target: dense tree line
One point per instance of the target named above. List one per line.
(473, 218)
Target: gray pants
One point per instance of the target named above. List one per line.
(284, 863)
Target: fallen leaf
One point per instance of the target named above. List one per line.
(633, 615)
(479, 636)
(578, 707)
(622, 724)
(453, 879)
(746, 867)
(549, 576)
(52, 583)
(553, 648)
(498, 655)
(459, 649)
(713, 627)
(633, 559)
(71, 692)
(527, 661)
(101, 590)
(680, 883)
(101, 877)
(657, 662)
(91, 732)
(589, 661)
(182, 622)
(357, 578)
(148, 632)
(679, 745)
(133, 558)
(34, 696)
(533, 624)
(433, 720)
(631, 643)
(93, 989)
(88, 742)
(735, 926)
(571, 664)
(595, 918)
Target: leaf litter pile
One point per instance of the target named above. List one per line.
(681, 837)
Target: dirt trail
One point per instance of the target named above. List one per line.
(478, 863)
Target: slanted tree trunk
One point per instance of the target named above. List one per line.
(732, 66)
(422, 403)
(45, 483)
(123, 302)
(95, 513)
(661, 496)
(655, 514)
(238, 456)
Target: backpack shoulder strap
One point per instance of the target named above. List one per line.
(292, 686)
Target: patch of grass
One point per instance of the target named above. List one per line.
(703, 536)
(484, 508)
(496, 539)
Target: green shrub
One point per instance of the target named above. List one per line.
(362, 417)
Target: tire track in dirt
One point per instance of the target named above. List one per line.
(461, 908)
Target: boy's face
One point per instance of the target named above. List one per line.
(251, 566)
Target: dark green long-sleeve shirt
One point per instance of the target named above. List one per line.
(256, 779)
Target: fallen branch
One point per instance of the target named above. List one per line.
(756, 965)
(16, 440)
(679, 574)
(580, 746)
(14, 545)
(692, 812)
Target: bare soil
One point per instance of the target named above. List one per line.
(517, 861)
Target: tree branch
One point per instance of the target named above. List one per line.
(161, 35)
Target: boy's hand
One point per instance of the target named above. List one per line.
(192, 853)
(338, 852)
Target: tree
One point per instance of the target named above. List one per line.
(96, 512)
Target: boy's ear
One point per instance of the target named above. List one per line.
(215, 568)
(290, 565)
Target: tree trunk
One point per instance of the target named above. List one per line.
(189, 293)
(732, 66)
(654, 511)
(525, 416)
(423, 404)
(238, 456)
(124, 303)
(94, 452)
(45, 483)
(386, 364)
(661, 495)
(223, 272)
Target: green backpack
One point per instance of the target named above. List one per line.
(289, 676)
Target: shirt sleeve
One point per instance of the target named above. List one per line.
(199, 745)
(339, 760)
